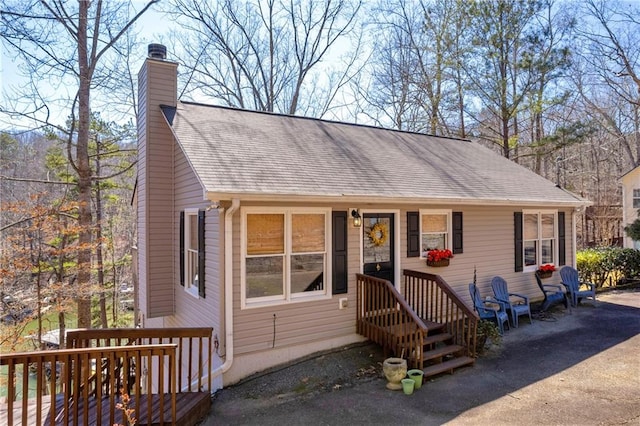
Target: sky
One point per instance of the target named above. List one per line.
(150, 25)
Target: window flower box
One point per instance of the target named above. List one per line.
(438, 263)
(438, 258)
(546, 271)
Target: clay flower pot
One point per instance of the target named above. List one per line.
(395, 369)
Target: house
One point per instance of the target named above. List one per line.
(256, 223)
(630, 202)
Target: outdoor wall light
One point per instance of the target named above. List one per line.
(357, 219)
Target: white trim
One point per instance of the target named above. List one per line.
(539, 213)
(366, 199)
(449, 213)
(189, 287)
(287, 297)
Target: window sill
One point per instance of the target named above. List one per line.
(192, 291)
(282, 302)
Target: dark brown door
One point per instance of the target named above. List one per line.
(378, 247)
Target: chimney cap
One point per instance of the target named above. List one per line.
(157, 51)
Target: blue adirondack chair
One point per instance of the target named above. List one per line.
(552, 294)
(514, 303)
(492, 312)
(577, 289)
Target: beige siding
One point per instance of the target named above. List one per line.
(195, 311)
(157, 86)
(295, 323)
(488, 245)
(630, 181)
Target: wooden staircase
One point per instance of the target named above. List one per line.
(441, 354)
(427, 324)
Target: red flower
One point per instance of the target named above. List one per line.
(436, 255)
(549, 267)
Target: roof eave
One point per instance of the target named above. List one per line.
(360, 199)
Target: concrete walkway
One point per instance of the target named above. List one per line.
(578, 368)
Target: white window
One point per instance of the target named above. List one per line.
(435, 230)
(636, 198)
(540, 235)
(191, 251)
(284, 255)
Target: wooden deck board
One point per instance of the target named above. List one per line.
(191, 406)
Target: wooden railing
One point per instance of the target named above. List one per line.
(194, 354)
(433, 300)
(385, 317)
(59, 394)
(83, 384)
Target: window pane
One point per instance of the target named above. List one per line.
(548, 226)
(530, 253)
(265, 276)
(265, 234)
(193, 232)
(307, 272)
(434, 223)
(307, 232)
(530, 226)
(547, 251)
(433, 241)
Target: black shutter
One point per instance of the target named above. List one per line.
(517, 221)
(457, 232)
(339, 256)
(413, 234)
(562, 258)
(182, 249)
(201, 257)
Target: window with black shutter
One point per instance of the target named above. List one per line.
(413, 234)
(339, 256)
(192, 251)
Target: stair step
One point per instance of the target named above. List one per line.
(437, 338)
(434, 327)
(441, 352)
(448, 366)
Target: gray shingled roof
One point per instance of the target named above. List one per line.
(254, 153)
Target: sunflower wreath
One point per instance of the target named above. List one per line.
(378, 234)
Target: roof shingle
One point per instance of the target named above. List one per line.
(254, 153)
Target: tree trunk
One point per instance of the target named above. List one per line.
(99, 257)
(84, 174)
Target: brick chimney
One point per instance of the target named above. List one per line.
(157, 85)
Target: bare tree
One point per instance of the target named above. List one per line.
(74, 45)
(415, 75)
(612, 51)
(266, 55)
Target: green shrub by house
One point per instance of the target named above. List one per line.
(608, 265)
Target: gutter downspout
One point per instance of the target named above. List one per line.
(228, 288)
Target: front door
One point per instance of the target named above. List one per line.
(378, 248)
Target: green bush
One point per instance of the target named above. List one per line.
(608, 264)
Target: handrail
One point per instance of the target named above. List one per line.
(434, 300)
(61, 372)
(190, 377)
(385, 317)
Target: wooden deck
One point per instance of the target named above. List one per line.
(191, 406)
(165, 372)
